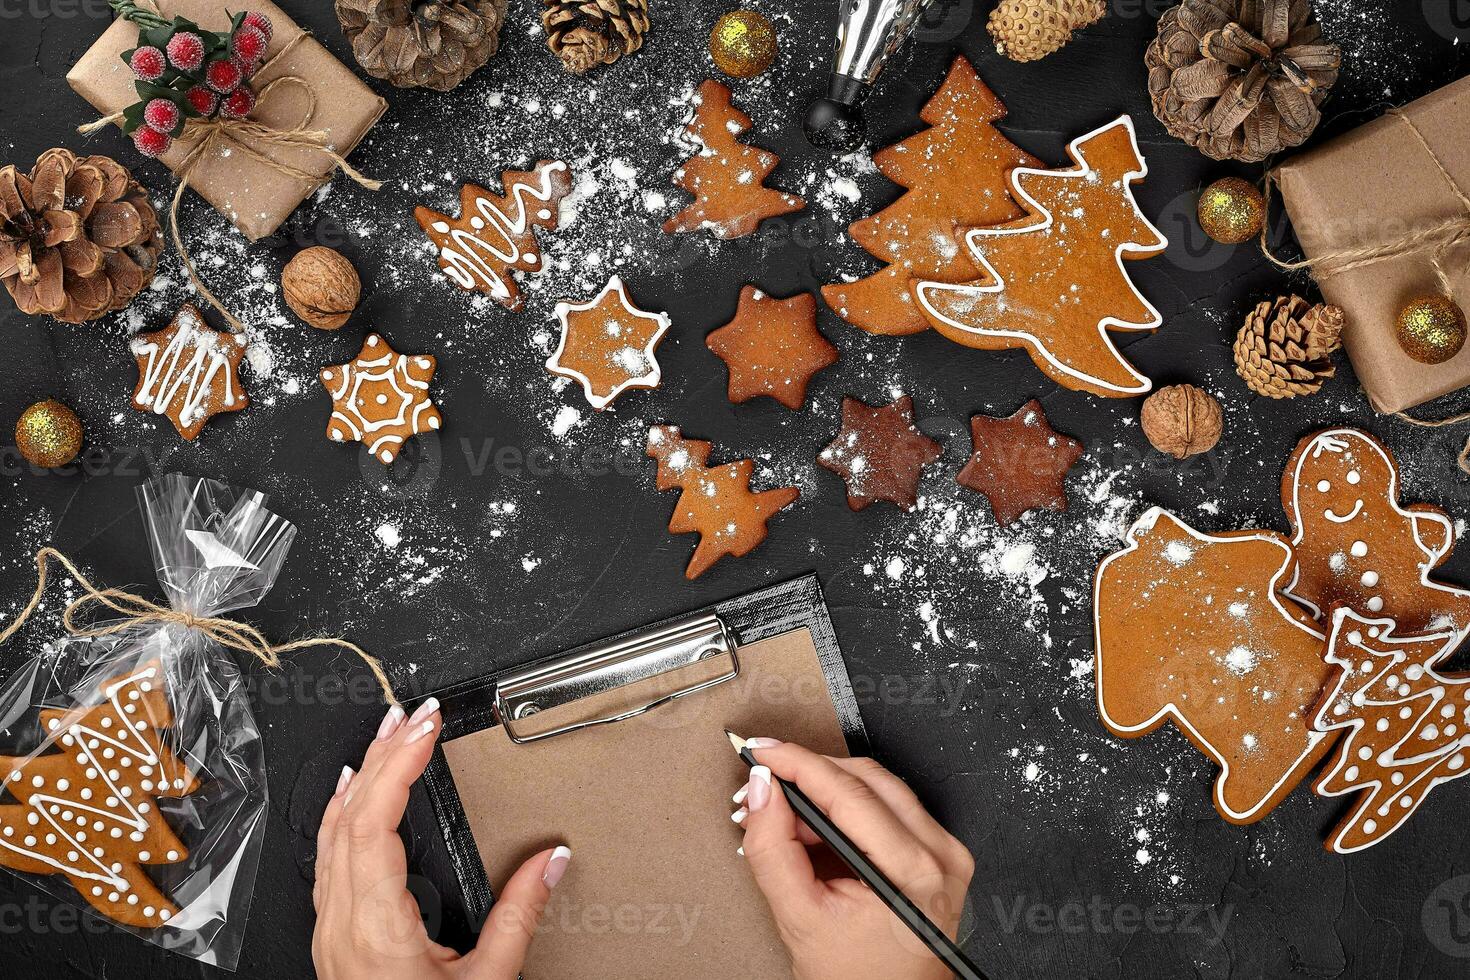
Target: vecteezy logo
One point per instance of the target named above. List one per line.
(1189, 247)
(943, 20)
(1450, 19)
(412, 474)
(1446, 917)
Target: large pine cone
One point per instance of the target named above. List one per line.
(78, 236)
(1285, 347)
(422, 43)
(1240, 79)
(588, 33)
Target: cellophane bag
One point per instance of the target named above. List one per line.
(133, 773)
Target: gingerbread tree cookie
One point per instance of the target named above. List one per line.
(772, 347)
(381, 398)
(89, 810)
(1019, 463)
(494, 235)
(716, 502)
(189, 372)
(608, 345)
(1407, 725)
(1357, 546)
(726, 177)
(1191, 628)
(1054, 282)
(880, 453)
(955, 175)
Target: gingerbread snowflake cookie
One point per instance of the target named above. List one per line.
(1019, 463)
(381, 398)
(493, 234)
(772, 347)
(189, 372)
(608, 345)
(880, 453)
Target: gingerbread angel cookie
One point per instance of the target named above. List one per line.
(1357, 546)
(1055, 283)
(89, 809)
(608, 345)
(772, 347)
(1406, 725)
(381, 398)
(494, 235)
(189, 372)
(1190, 628)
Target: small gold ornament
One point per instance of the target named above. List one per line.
(1232, 211)
(743, 43)
(1431, 329)
(49, 434)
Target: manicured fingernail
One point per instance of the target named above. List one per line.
(740, 794)
(739, 815)
(390, 724)
(762, 743)
(557, 866)
(760, 788)
(344, 780)
(740, 851)
(419, 732)
(424, 710)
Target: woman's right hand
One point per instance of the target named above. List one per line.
(836, 928)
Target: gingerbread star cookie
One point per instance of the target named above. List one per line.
(493, 234)
(726, 177)
(189, 372)
(715, 502)
(772, 347)
(1019, 463)
(1357, 546)
(381, 398)
(608, 345)
(1192, 628)
(880, 453)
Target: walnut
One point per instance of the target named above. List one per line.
(1182, 420)
(321, 287)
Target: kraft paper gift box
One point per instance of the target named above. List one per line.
(256, 197)
(1374, 187)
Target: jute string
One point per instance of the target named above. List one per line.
(134, 612)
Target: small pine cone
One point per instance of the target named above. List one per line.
(588, 33)
(1025, 30)
(1286, 345)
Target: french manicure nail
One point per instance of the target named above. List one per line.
(740, 850)
(557, 866)
(762, 743)
(390, 724)
(344, 780)
(419, 732)
(739, 815)
(740, 794)
(424, 710)
(760, 788)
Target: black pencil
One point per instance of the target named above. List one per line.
(931, 935)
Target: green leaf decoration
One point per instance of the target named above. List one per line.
(132, 117)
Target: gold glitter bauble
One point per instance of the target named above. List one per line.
(1431, 329)
(743, 43)
(1231, 211)
(49, 434)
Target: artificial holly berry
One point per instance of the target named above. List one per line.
(147, 63)
(248, 43)
(186, 51)
(223, 75)
(260, 22)
(150, 142)
(247, 68)
(163, 115)
(202, 100)
(237, 104)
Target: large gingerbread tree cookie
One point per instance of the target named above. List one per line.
(1356, 546)
(1055, 282)
(1190, 628)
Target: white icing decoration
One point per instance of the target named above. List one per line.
(392, 369)
(640, 358)
(186, 371)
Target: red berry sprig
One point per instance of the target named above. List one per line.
(148, 63)
(186, 51)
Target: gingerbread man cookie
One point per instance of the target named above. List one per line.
(608, 345)
(880, 453)
(381, 398)
(772, 347)
(1356, 546)
(494, 235)
(1190, 628)
(1406, 725)
(89, 809)
(1019, 463)
(189, 372)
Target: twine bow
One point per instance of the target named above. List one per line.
(249, 137)
(134, 611)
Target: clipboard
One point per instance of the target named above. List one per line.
(617, 749)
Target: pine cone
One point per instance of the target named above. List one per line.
(1025, 30)
(1286, 346)
(588, 33)
(78, 236)
(422, 43)
(1240, 79)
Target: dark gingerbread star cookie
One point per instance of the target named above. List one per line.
(880, 453)
(1019, 463)
(773, 347)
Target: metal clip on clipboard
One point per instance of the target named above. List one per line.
(608, 666)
